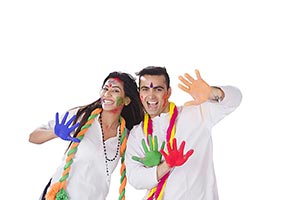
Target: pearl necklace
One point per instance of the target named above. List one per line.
(104, 147)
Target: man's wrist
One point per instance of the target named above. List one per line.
(162, 169)
(217, 94)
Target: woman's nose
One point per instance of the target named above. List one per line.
(107, 93)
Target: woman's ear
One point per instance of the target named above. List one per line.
(127, 101)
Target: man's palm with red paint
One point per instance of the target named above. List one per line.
(176, 157)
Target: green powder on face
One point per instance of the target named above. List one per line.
(119, 101)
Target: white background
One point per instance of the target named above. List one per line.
(55, 54)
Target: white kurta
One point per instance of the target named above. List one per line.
(195, 180)
(88, 178)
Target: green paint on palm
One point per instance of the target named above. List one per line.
(152, 153)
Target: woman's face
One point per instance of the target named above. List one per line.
(113, 95)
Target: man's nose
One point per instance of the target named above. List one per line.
(151, 94)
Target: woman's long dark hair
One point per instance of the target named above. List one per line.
(132, 113)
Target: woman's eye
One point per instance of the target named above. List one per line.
(117, 91)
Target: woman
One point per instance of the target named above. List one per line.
(98, 139)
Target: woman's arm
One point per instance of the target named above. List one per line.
(41, 135)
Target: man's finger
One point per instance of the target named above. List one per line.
(136, 159)
(145, 146)
(198, 74)
(155, 143)
(189, 77)
(183, 88)
(163, 145)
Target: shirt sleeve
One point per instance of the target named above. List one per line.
(138, 175)
(232, 99)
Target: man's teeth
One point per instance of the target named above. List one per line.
(152, 102)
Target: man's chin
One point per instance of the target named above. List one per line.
(152, 112)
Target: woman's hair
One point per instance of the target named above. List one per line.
(132, 113)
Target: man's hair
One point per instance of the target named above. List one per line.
(153, 70)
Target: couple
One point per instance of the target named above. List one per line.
(98, 135)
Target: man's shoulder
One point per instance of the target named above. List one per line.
(137, 127)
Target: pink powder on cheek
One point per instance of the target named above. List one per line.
(141, 98)
(165, 98)
(115, 111)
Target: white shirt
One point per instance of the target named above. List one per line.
(88, 178)
(195, 180)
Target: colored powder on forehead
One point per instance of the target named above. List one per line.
(112, 81)
(117, 79)
(151, 85)
(119, 101)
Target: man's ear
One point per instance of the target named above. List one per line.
(169, 92)
(127, 101)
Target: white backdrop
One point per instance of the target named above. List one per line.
(55, 54)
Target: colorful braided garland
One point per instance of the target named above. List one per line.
(123, 179)
(58, 190)
(157, 192)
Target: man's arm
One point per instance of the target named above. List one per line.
(223, 100)
(231, 100)
(162, 169)
(139, 176)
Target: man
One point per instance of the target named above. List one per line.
(185, 172)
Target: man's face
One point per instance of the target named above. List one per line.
(154, 94)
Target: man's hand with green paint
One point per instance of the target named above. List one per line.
(152, 155)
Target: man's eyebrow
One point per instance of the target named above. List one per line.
(156, 87)
(144, 86)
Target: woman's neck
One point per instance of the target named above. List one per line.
(110, 119)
